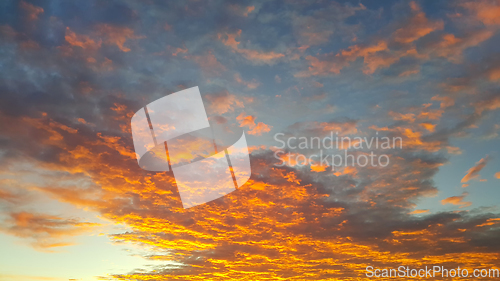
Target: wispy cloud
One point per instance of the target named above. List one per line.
(473, 172)
(457, 200)
(45, 231)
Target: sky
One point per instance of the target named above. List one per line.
(75, 204)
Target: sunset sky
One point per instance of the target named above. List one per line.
(75, 205)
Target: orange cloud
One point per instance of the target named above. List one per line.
(112, 35)
(224, 102)
(311, 31)
(179, 51)
(417, 26)
(249, 84)
(317, 67)
(344, 128)
(256, 148)
(490, 222)
(29, 44)
(451, 47)
(375, 56)
(416, 212)
(474, 171)
(116, 35)
(317, 26)
(445, 101)
(408, 117)
(454, 150)
(415, 139)
(241, 10)
(208, 64)
(266, 57)
(315, 128)
(248, 10)
(317, 84)
(45, 231)
(430, 114)
(349, 170)
(497, 175)
(353, 52)
(486, 11)
(488, 104)
(382, 60)
(260, 129)
(293, 159)
(409, 72)
(457, 200)
(82, 41)
(246, 120)
(7, 31)
(252, 55)
(494, 74)
(249, 121)
(282, 201)
(230, 41)
(378, 54)
(318, 168)
(428, 126)
(412, 138)
(31, 10)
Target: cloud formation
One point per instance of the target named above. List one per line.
(457, 200)
(44, 231)
(473, 172)
(74, 75)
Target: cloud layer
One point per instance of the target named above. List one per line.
(74, 74)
